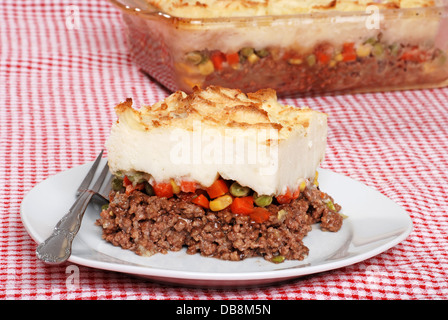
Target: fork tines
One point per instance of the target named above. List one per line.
(90, 174)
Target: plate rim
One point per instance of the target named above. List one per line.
(220, 278)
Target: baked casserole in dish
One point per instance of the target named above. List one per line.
(322, 46)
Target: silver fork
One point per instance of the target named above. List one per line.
(56, 249)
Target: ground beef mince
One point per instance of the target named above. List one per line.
(150, 224)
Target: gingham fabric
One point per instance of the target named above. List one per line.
(58, 86)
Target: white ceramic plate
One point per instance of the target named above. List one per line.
(374, 224)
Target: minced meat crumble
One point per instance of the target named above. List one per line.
(148, 224)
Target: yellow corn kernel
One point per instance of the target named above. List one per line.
(302, 186)
(176, 188)
(315, 182)
(332, 63)
(221, 203)
(281, 214)
(311, 60)
(330, 205)
(338, 57)
(363, 50)
(253, 58)
(295, 61)
(206, 67)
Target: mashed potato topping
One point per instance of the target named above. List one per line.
(232, 8)
(249, 138)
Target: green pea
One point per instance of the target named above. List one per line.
(246, 52)
(278, 259)
(194, 57)
(117, 183)
(238, 190)
(378, 50)
(262, 53)
(149, 190)
(371, 41)
(394, 48)
(262, 201)
(136, 177)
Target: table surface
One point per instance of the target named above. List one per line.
(58, 87)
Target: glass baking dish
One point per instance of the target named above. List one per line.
(320, 52)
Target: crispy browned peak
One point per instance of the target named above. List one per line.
(219, 108)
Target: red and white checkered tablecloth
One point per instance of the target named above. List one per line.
(58, 87)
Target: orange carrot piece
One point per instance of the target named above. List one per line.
(163, 189)
(233, 58)
(217, 189)
(187, 186)
(260, 215)
(218, 58)
(348, 52)
(202, 201)
(242, 205)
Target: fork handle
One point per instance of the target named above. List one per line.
(58, 247)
